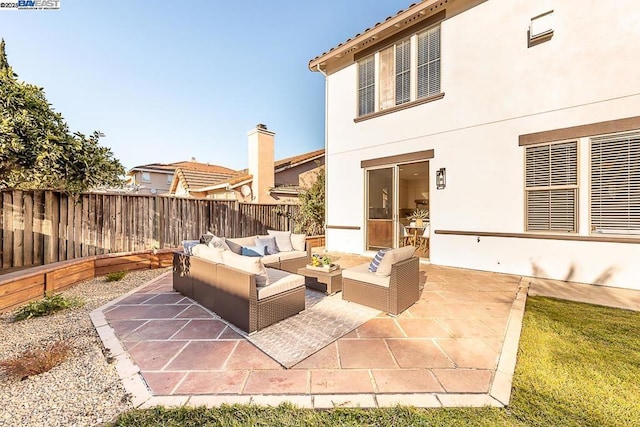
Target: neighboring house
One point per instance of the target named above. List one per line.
(265, 181)
(156, 178)
(189, 181)
(516, 123)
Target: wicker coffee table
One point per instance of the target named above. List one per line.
(327, 282)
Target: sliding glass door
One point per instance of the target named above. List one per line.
(396, 194)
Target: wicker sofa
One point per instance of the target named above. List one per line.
(225, 283)
(289, 261)
(393, 292)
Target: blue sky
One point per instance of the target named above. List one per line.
(170, 80)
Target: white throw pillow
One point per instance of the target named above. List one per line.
(188, 245)
(219, 242)
(207, 252)
(251, 265)
(299, 242)
(283, 240)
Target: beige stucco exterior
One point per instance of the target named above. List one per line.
(159, 181)
(495, 88)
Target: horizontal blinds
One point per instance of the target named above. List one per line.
(615, 184)
(366, 86)
(552, 210)
(551, 179)
(403, 72)
(429, 63)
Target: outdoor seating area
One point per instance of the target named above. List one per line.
(444, 349)
(253, 282)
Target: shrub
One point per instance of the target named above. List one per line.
(34, 362)
(46, 306)
(116, 276)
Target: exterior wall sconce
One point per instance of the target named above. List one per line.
(441, 178)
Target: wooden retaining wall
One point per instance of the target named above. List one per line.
(20, 287)
(42, 227)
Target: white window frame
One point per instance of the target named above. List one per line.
(146, 179)
(554, 189)
(169, 179)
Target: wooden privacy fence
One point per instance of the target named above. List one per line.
(41, 227)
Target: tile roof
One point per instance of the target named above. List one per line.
(185, 165)
(301, 158)
(193, 179)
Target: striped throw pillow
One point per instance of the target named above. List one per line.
(373, 267)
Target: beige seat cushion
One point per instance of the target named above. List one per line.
(279, 281)
(251, 265)
(207, 252)
(271, 259)
(292, 255)
(393, 256)
(361, 273)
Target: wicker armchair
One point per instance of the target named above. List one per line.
(401, 293)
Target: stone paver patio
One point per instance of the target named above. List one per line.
(455, 347)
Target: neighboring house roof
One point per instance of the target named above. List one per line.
(210, 179)
(197, 179)
(291, 162)
(152, 167)
(381, 30)
(190, 165)
(292, 190)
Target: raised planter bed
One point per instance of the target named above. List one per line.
(20, 287)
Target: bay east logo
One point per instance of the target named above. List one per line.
(38, 4)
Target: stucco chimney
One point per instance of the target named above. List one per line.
(261, 146)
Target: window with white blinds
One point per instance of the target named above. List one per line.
(366, 86)
(408, 70)
(615, 184)
(429, 63)
(403, 72)
(551, 187)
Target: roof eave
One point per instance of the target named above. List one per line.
(372, 35)
(302, 162)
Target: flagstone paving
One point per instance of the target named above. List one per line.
(449, 342)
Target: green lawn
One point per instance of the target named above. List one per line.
(578, 365)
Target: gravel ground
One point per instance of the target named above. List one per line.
(84, 390)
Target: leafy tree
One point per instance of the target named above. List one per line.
(37, 150)
(310, 217)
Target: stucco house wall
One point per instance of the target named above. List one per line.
(496, 88)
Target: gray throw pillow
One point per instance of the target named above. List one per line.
(283, 240)
(269, 242)
(234, 247)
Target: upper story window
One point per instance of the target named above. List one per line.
(615, 184)
(407, 71)
(366, 86)
(429, 63)
(146, 177)
(169, 179)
